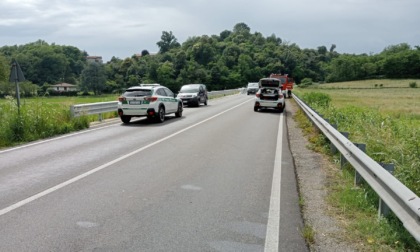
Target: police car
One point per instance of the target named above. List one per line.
(152, 101)
(269, 95)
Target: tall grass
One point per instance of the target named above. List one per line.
(36, 119)
(390, 137)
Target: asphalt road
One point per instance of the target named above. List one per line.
(220, 178)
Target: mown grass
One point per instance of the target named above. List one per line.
(40, 118)
(391, 131)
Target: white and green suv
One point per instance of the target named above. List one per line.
(153, 101)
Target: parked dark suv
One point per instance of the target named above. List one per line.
(193, 94)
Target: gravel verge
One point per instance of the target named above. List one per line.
(312, 172)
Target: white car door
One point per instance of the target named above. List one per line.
(171, 103)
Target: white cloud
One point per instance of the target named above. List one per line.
(123, 28)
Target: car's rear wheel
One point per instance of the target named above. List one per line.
(205, 102)
(282, 109)
(256, 109)
(125, 119)
(160, 117)
(178, 113)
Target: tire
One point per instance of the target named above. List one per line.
(282, 109)
(178, 113)
(256, 109)
(205, 102)
(126, 119)
(160, 117)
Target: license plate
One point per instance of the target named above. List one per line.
(135, 102)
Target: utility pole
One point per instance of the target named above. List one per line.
(16, 76)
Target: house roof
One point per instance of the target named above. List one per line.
(63, 85)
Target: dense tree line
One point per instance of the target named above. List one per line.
(224, 61)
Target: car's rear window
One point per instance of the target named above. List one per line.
(137, 92)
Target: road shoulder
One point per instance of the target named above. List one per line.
(312, 174)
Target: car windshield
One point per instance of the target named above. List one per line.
(189, 89)
(137, 92)
(253, 85)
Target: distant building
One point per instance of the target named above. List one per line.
(64, 87)
(97, 59)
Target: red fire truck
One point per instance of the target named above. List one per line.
(286, 84)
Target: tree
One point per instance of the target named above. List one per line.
(144, 53)
(241, 28)
(4, 69)
(93, 78)
(167, 42)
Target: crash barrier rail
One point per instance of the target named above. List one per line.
(402, 201)
(103, 107)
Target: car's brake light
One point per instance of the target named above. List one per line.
(121, 98)
(257, 95)
(151, 98)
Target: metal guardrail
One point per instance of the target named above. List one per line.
(93, 108)
(102, 107)
(402, 201)
(213, 94)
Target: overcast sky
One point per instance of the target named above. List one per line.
(122, 28)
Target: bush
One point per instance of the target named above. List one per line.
(306, 82)
(413, 84)
(315, 99)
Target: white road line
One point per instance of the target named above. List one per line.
(273, 224)
(81, 176)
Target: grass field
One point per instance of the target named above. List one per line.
(367, 84)
(395, 98)
(387, 120)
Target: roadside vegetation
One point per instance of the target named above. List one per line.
(387, 120)
(40, 118)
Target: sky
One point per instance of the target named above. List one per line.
(122, 28)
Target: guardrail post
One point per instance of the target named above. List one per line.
(100, 117)
(332, 146)
(357, 177)
(72, 111)
(383, 209)
(343, 160)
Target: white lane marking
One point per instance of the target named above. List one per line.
(81, 176)
(55, 138)
(273, 224)
(191, 187)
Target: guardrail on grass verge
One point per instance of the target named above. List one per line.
(402, 201)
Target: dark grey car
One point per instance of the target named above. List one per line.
(193, 94)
